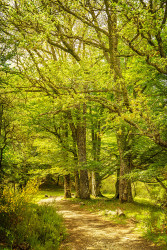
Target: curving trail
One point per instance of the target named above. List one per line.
(88, 231)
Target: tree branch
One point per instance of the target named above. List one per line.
(81, 18)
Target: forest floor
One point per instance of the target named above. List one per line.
(88, 231)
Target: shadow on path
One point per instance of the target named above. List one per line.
(88, 231)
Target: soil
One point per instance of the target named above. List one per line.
(88, 231)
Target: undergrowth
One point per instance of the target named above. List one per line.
(155, 227)
(28, 226)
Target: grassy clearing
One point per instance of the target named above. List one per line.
(49, 192)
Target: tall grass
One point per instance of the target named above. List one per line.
(28, 226)
(155, 227)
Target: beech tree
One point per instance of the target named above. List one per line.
(96, 45)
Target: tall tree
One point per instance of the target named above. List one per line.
(61, 28)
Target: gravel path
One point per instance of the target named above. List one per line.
(88, 231)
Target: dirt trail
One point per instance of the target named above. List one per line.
(88, 231)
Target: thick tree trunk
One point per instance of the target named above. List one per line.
(79, 140)
(67, 186)
(125, 192)
(77, 185)
(84, 185)
(96, 184)
(84, 180)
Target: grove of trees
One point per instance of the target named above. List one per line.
(84, 92)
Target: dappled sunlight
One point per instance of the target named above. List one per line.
(90, 231)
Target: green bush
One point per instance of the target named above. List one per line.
(155, 227)
(29, 226)
(41, 227)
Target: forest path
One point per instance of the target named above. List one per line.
(88, 231)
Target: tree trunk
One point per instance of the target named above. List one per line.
(77, 185)
(125, 192)
(96, 149)
(96, 184)
(79, 140)
(67, 186)
(57, 182)
(117, 185)
(81, 144)
(90, 181)
(84, 185)
(67, 177)
(84, 180)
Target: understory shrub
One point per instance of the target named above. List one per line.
(155, 227)
(28, 226)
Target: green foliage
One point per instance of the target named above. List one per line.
(28, 225)
(65, 58)
(108, 185)
(155, 227)
(41, 228)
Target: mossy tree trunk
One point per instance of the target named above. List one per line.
(117, 185)
(81, 144)
(84, 180)
(125, 194)
(96, 149)
(125, 191)
(77, 185)
(96, 184)
(67, 186)
(67, 177)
